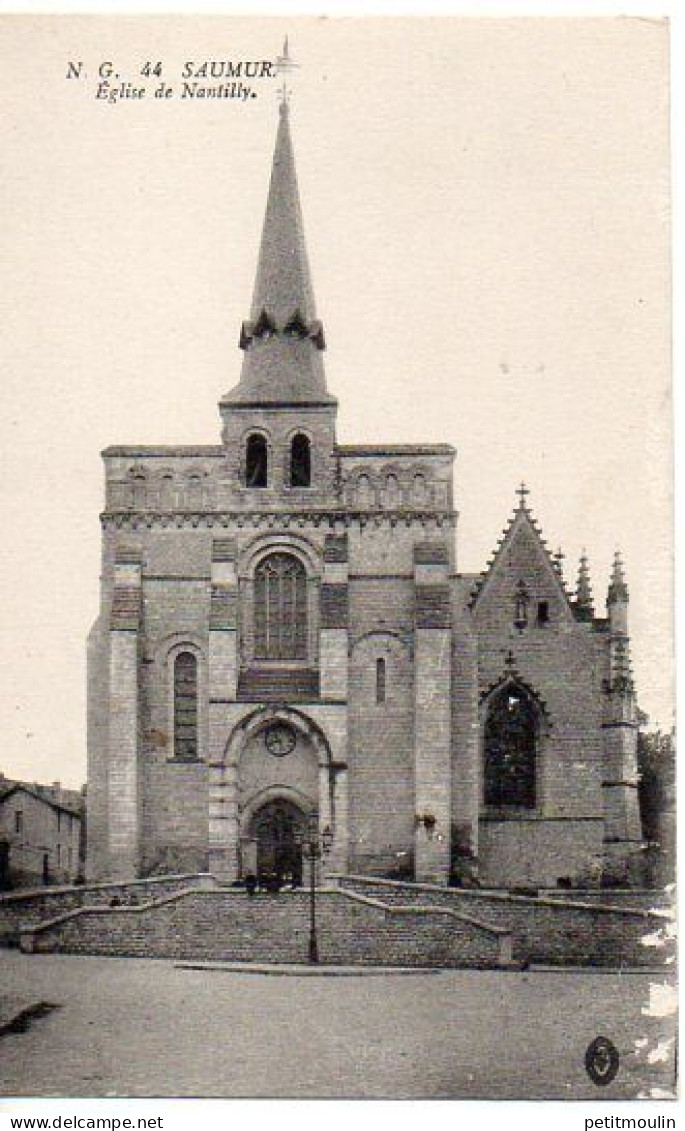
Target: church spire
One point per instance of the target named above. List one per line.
(283, 284)
(283, 338)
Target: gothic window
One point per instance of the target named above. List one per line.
(256, 461)
(185, 706)
(510, 741)
(300, 462)
(380, 680)
(280, 609)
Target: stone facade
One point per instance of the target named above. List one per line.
(284, 637)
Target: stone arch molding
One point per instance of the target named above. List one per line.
(514, 680)
(389, 640)
(275, 793)
(264, 545)
(265, 716)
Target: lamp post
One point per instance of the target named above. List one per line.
(315, 844)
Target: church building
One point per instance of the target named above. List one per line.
(284, 636)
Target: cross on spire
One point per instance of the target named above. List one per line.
(284, 66)
(522, 491)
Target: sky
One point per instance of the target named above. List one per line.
(486, 204)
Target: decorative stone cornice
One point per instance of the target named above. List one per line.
(273, 520)
(161, 451)
(388, 450)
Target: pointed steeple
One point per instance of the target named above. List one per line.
(584, 605)
(283, 285)
(283, 338)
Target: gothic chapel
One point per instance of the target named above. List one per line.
(284, 636)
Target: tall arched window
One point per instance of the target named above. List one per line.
(280, 605)
(380, 680)
(256, 461)
(510, 740)
(300, 462)
(185, 706)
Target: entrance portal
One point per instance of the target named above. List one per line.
(276, 828)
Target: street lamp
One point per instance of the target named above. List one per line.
(315, 844)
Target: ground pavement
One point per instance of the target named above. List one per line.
(130, 1027)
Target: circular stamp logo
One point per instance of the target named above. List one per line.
(601, 1061)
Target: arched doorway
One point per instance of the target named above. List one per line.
(276, 829)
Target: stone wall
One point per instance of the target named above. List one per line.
(21, 909)
(381, 734)
(231, 926)
(537, 851)
(550, 931)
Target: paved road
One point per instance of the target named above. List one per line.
(127, 1027)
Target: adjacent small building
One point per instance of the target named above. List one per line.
(41, 834)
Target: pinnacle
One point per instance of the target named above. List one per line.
(618, 588)
(584, 602)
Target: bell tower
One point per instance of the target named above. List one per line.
(279, 420)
